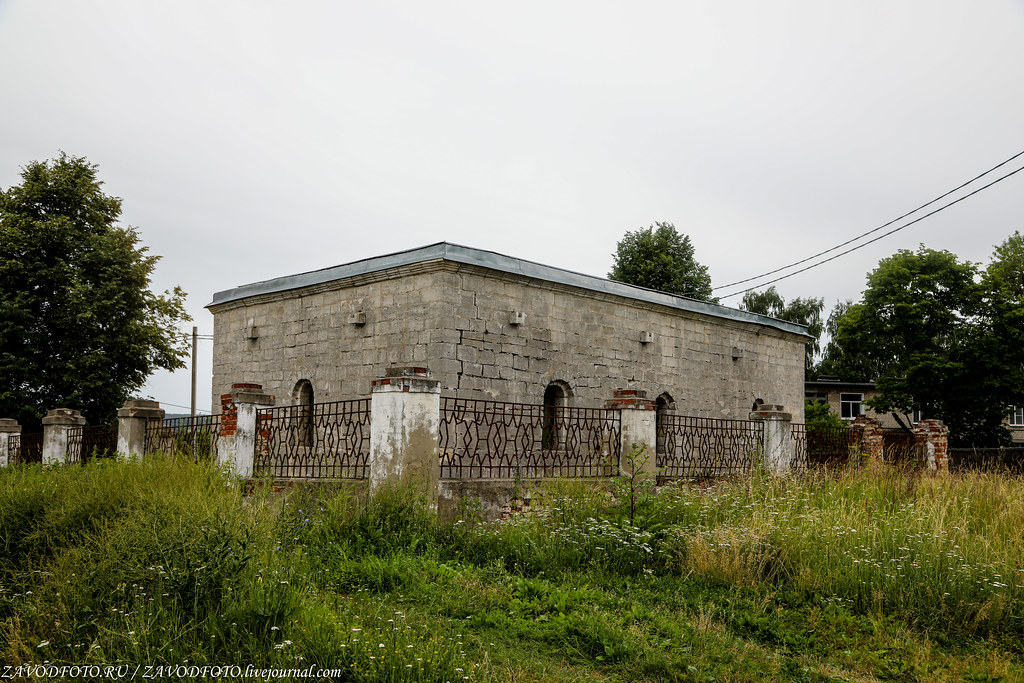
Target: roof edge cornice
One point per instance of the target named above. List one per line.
(374, 268)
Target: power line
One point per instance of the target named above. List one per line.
(175, 405)
(882, 236)
(869, 232)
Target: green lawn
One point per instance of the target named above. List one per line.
(853, 576)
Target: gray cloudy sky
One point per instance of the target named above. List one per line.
(256, 139)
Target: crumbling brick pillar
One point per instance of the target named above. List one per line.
(132, 420)
(866, 440)
(56, 425)
(8, 429)
(236, 445)
(779, 451)
(405, 419)
(639, 428)
(932, 440)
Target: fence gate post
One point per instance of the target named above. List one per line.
(238, 450)
(55, 433)
(932, 438)
(867, 440)
(8, 428)
(779, 448)
(405, 417)
(639, 428)
(132, 419)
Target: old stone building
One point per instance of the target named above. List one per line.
(494, 327)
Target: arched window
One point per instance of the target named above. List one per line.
(556, 397)
(665, 406)
(303, 395)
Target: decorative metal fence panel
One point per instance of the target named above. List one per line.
(496, 440)
(987, 459)
(706, 447)
(25, 449)
(820, 445)
(91, 441)
(321, 441)
(899, 446)
(195, 436)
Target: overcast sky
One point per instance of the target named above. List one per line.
(254, 139)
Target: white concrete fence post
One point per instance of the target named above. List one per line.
(779, 449)
(639, 429)
(132, 419)
(56, 425)
(236, 445)
(405, 416)
(8, 428)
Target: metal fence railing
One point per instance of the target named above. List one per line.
(820, 445)
(318, 441)
(91, 441)
(194, 436)
(987, 459)
(900, 447)
(497, 440)
(24, 449)
(695, 447)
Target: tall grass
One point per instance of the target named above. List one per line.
(166, 560)
(945, 552)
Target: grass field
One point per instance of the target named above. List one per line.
(850, 576)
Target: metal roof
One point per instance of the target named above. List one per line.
(456, 253)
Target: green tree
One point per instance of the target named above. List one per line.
(658, 257)
(818, 414)
(799, 310)
(924, 332)
(1002, 318)
(833, 361)
(79, 326)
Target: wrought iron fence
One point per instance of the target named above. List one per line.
(497, 440)
(900, 447)
(319, 441)
(696, 447)
(987, 459)
(23, 449)
(820, 445)
(195, 436)
(91, 441)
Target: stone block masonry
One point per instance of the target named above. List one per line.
(442, 308)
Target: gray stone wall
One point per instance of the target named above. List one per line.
(456, 319)
(318, 336)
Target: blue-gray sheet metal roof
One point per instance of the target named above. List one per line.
(488, 259)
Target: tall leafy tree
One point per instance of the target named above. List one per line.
(79, 326)
(1002, 319)
(926, 332)
(799, 310)
(658, 257)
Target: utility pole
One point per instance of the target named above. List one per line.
(195, 341)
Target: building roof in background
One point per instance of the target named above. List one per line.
(490, 260)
